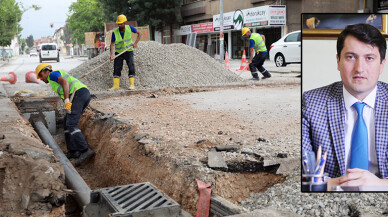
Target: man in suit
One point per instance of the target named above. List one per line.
(330, 114)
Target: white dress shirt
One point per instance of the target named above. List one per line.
(369, 118)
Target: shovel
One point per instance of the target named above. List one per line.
(71, 99)
(105, 62)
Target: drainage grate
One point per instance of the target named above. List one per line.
(141, 199)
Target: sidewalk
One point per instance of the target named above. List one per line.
(270, 66)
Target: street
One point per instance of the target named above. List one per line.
(20, 65)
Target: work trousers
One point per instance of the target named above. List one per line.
(75, 141)
(257, 62)
(118, 64)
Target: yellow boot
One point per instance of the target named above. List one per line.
(116, 84)
(131, 83)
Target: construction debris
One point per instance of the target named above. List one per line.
(158, 66)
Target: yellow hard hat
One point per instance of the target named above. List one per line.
(40, 67)
(121, 19)
(244, 30)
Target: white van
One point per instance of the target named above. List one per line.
(49, 51)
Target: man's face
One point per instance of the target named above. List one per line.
(359, 66)
(43, 76)
(247, 35)
(121, 26)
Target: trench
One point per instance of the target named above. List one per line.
(121, 160)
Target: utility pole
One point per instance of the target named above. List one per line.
(222, 31)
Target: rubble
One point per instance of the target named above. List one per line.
(158, 66)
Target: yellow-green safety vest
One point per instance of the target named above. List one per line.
(73, 83)
(123, 43)
(259, 42)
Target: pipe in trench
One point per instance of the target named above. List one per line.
(72, 178)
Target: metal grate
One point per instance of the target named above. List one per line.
(138, 200)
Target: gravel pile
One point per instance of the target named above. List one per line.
(287, 195)
(158, 66)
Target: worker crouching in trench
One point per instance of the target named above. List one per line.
(66, 85)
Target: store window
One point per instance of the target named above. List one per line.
(238, 45)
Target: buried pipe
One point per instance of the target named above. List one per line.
(72, 178)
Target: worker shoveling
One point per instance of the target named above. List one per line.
(159, 66)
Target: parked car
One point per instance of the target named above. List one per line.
(286, 50)
(33, 53)
(49, 51)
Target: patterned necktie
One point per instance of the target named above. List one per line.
(359, 145)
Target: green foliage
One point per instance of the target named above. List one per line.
(23, 44)
(85, 16)
(146, 12)
(10, 16)
(113, 8)
(67, 34)
(155, 13)
(30, 41)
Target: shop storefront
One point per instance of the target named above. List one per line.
(267, 20)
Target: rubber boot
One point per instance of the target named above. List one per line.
(131, 83)
(255, 76)
(116, 84)
(266, 74)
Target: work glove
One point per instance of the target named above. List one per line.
(68, 104)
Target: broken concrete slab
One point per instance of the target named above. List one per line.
(268, 212)
(287, 165)
(215, 160)
(219, 206)
(140, 136)
(35, 153)
(227, 147)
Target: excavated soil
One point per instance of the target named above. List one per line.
(32, 181)
(176, 136)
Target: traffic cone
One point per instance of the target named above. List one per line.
(11, 78)
(227, 60)
(31, 77)
(244, 63)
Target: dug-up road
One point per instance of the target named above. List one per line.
(158, 136)
(179, 127)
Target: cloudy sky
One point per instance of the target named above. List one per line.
(37, 23)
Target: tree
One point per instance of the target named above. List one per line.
(10, 16)
(85, 16)
(30, 41)
(67, 34)
(112, 8)
(23, 44)
(157, 14)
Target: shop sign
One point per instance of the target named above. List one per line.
(185, 30)
(259, 16)
(202, 27)
(228, 21)
(277, 15)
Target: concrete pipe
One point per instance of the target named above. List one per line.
(72, 178)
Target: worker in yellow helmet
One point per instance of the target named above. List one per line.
(66, 85)
(258, 53)
(121, 40)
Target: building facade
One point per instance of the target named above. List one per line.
(57, 38)
(270, 18)
(200, 17)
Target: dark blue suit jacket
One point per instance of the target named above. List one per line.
(323, 123)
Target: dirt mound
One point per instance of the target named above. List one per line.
(157, 66)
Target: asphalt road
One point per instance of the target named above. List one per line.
(20, 65)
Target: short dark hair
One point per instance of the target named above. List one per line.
(365, 33)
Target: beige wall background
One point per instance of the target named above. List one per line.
(319, 64)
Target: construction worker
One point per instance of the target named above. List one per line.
(121, 40)
(66, 85)
(256, 45)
